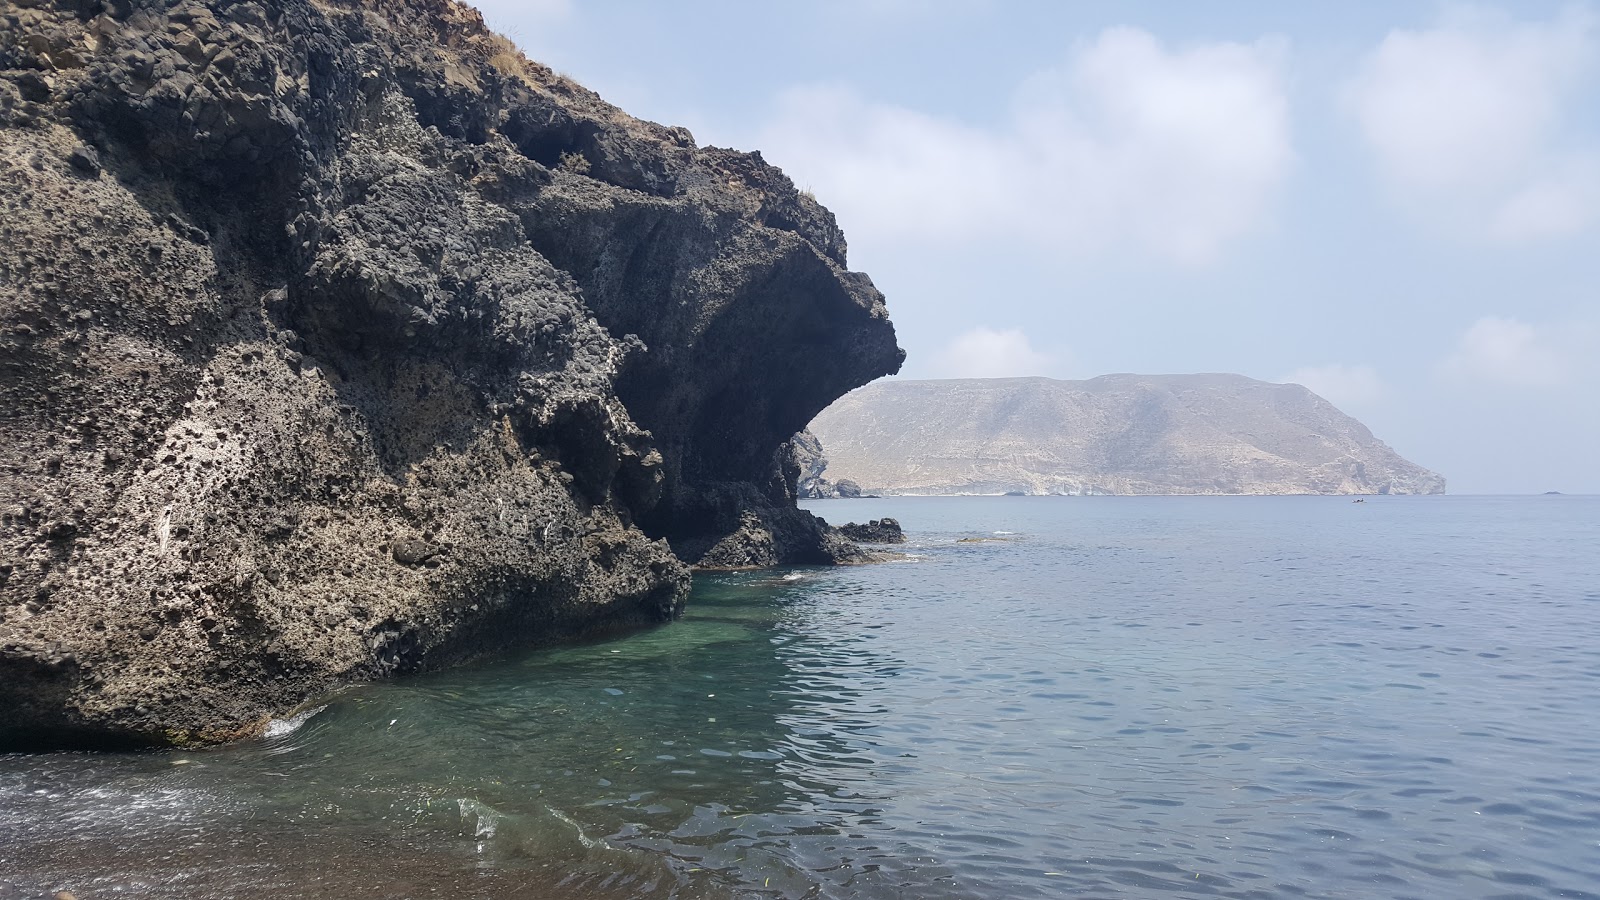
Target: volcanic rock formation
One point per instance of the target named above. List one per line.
(805, 453)
(1116, 434)
(337, 339)
(877, 531)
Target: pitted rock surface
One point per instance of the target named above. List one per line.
(337, 340)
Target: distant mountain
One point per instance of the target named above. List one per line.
(1116, 434)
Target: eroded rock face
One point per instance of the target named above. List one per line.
(804, 455)
(877, 531)
(339, 340)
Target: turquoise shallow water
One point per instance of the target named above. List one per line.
(1105, 697)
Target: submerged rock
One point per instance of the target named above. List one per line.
(339, 340)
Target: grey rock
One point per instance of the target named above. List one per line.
(410, 551)
(346, 374)
(85, 159)
(805, 453)
(877, 531)
(1117, 434)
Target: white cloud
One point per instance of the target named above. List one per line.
(1478, 123)
(1562, 201)
(987, 353)
(1347, 387)
(1506, 351)
(1176, 151)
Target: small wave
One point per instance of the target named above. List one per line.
(588, 843)
(1005, 532)
(484, 817)
(278, 728)
(794, 576)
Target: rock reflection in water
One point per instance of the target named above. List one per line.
(685, 761)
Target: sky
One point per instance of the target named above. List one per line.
(1396, 204)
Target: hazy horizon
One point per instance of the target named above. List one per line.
(1394, 204)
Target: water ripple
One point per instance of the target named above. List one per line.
(1252, 698)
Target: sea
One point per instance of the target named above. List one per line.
(1243, 697)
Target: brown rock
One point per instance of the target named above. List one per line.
(354, 297)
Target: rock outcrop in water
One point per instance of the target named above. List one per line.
(338, 340)
(805, 454)
(1117, 434)
(877, 531)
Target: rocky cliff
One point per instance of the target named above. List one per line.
(805, 454)
(337, 339)
(1117, 434)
